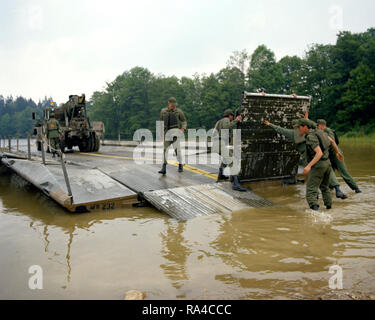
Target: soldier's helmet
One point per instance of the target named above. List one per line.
(228, 112)
(321, 121)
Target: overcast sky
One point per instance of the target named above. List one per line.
(62, 47)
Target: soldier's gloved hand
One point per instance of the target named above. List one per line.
(239, 118)
(267, 123)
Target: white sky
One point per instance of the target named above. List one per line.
(62, 47)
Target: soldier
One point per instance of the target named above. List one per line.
(319, 167)
(53, 133)
(336, 164)
(293, 135)
(227, 122)
(300, 144)
(173, 119)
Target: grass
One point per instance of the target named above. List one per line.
(358, 138)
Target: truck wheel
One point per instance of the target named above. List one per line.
(97, 143)
(62, 146)
(91, 143)
(85, 145)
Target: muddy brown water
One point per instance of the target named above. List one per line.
(281, 252)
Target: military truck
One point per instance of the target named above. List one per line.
(77, 129)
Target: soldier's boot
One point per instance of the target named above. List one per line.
(315, 207)
(340, 194)
(180, 167)
(329, 207)
(357, 190)
(221, 175)
(163, 170)
(237, 186)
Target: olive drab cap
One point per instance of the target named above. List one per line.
(173, 101)
(228, 112)
(321, 121)
(305, 122)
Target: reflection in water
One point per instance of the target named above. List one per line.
(176, 251)
(46, 215)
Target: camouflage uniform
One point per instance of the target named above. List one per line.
(226, 157)
(174, 120)
(297, 138)
(318, 177)
(53, 133)
(222, 124)
(339, 165)
(300, 144)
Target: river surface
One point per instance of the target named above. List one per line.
(280, 252)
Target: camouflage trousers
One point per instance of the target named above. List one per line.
(343, 171)
(176, 146)
(55, 144)
(228, 158)
(332, 177)
(318, 178)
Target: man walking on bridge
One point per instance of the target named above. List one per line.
(174, 123)
(53, 133)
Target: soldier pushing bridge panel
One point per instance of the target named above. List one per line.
(318, 168)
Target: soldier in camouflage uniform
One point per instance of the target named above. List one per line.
(174, 122)
(227, 122)
(53, 133)
(318, 168)
(336, 164)
(300, 144)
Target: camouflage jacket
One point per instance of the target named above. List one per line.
(293, 135)
(317, 138)
(225, 123)
(173, 118)
(53, 129)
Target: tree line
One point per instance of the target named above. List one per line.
(340, 78)
(16, 115)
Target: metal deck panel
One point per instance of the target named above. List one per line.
(203, 200)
